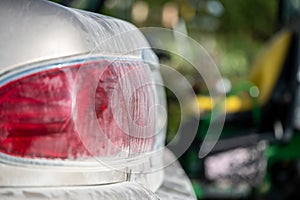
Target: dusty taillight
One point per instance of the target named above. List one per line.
(74, 111)
(79, 103)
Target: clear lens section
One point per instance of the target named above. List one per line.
(160, 99)
(99, 108)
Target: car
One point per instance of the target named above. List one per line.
(77, 108)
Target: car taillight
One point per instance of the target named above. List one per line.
(73, 111)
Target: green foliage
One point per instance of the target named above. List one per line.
(251, 17)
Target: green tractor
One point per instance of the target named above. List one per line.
(258, 153)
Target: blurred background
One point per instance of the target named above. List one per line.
(255, 46)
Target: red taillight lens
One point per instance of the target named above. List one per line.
(78, 111)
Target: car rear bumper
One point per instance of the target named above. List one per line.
(176, 185)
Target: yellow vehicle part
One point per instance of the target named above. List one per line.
(264, 75)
